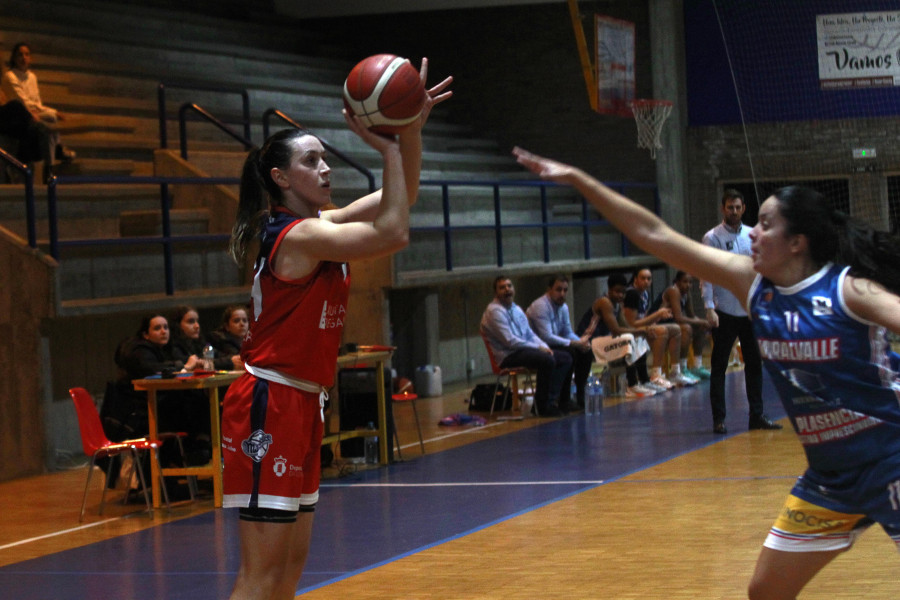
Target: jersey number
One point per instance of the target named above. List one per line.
(792, 320)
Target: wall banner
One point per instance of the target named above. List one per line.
(858, 50)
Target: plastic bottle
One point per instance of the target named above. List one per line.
(589, 393)
(598, 395)
(371, 446)
(209, 352)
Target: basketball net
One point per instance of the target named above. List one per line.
(650, 116)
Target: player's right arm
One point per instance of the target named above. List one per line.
(732, 271)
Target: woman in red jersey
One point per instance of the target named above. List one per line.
(272, 421)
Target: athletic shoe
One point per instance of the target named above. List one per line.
(662, 382)
(720, 428)
(639, 391)
(700, 373)
(682, 379)
(656, 389)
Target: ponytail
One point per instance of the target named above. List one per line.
(259, 190)
(870, 253)
(251, 212)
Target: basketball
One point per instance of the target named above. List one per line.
(385, 92)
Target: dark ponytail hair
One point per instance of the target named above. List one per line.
(258, 190)
(835, 236)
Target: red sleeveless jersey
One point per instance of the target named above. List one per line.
(295, 325)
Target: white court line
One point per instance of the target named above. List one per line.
(56, 533)
(468, 483)
(468, 431)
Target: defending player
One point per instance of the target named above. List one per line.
(821, 290)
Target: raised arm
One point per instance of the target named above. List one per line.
(410, 140)
(732, 271)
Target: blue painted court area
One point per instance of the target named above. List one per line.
(381, 515)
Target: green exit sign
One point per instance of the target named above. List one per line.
(864, 153)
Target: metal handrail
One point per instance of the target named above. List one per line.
(166, 239)
(161, 102)
(270, 112)
(182, 126)
(585, 223)
(30, 215)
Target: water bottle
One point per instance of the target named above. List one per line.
(371, 446)
(209, 352)
(598, 396)
(590, 392)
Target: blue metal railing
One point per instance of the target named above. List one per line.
(166, 239)
(206, 115)
(545, 225)
(25, 170)
(161, 101)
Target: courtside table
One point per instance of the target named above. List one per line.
(211, 382)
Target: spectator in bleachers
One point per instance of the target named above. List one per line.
(20, 83)
(229, 337)
(25, 138)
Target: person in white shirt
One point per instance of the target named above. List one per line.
(548, 316)
(20, 83)
(729, 321)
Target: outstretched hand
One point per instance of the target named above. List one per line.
(433, 96)
(543, 167)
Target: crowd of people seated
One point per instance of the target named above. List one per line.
(542, 338)
(156, 349)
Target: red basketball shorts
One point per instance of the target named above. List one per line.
(271, 445)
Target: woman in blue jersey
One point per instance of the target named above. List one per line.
(822, 291)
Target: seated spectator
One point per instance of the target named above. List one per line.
(604, 318)
(187, 342)
(548, 316)
(148, 353)
(229, 337)
(28, 139)
(512, 343)
(20, 83)
(662, 336)
(693, 329)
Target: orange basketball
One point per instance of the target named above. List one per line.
(385, 91)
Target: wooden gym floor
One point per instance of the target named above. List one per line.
(641, 501)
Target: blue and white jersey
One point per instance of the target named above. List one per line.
(831, 369)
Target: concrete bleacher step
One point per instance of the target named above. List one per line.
(183, 221)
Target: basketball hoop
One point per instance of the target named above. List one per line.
(650, 116)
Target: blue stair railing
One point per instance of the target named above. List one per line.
(28, 176)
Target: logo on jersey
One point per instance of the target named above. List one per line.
(257, 445)
(280, 466)
(821, 306)
(332, 316)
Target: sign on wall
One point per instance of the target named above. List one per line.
(615, 65)
(858, 50)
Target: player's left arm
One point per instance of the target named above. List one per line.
(410, 140)
(872, 302)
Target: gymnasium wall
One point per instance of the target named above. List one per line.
(518, 76)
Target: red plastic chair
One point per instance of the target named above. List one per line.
(512, 379)
(96, 445)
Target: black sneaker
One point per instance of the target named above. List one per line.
(720, 429)
(762, 422)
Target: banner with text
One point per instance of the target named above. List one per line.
(858, 50)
